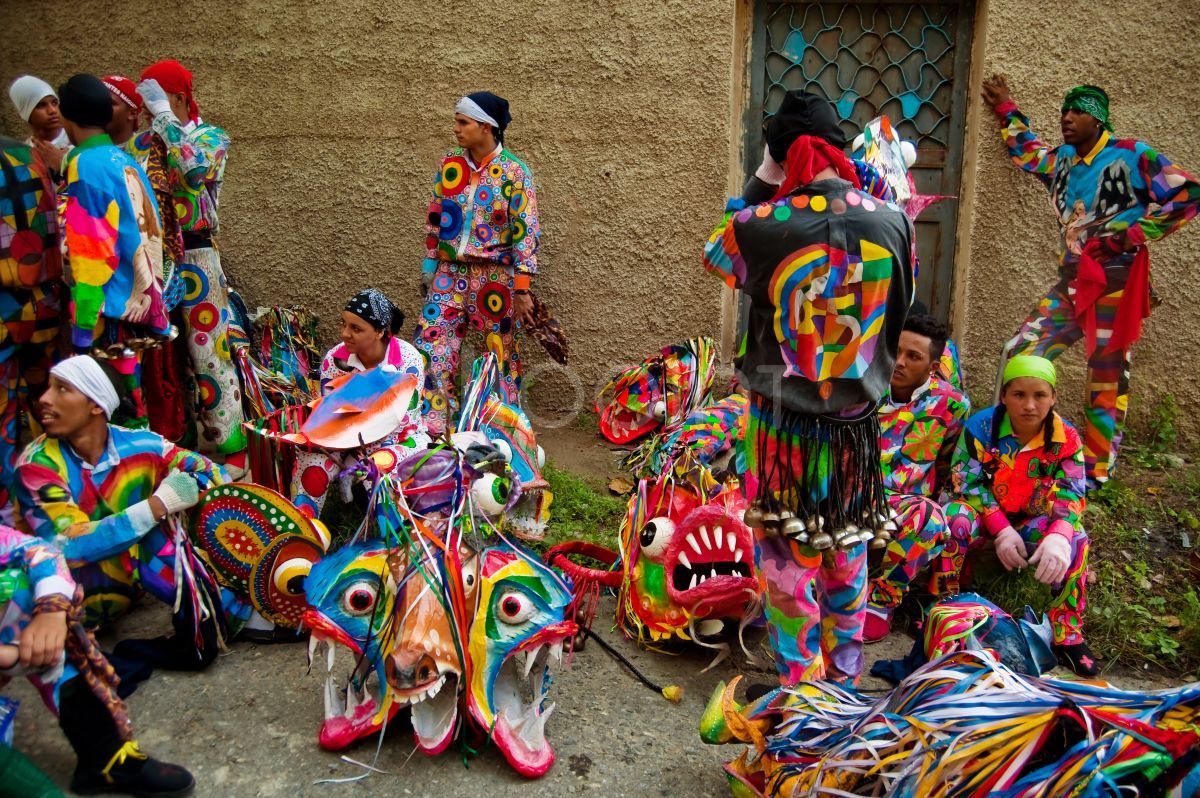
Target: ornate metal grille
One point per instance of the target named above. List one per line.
(868, 59)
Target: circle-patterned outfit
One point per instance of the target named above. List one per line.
(466, 298)
(482, 236)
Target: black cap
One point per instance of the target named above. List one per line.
(84, 99)
(803, 114)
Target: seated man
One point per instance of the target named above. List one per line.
(100, 491)
(920, 419)
(42, 637)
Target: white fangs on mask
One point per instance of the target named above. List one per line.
(521, 689)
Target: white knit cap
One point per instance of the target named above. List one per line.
(85, 375)
(26, 92)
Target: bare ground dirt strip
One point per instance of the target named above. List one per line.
(248, 726)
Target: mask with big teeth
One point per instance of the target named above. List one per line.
(692, 559)
(350, 595)
(516, 639)
(660, 391)
(425, 666)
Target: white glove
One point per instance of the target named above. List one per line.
(178, 492)
(1052, 557)
(769, 171)
(155, 97)
(1010, 548)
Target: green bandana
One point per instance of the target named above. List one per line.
(1089, 100)
(1030, 366)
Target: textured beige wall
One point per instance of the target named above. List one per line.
(630, 115)
(1136, 57)
(339, 113)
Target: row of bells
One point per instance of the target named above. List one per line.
(131, 346)
(812, 532)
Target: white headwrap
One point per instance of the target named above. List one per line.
(26, 92)
(85, 375)
(469, 108)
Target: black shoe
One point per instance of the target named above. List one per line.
(758, 690)
(1079, 658)
(130, 772)
(276, 634)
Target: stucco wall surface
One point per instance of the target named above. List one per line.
(1139, 57)
(339, 113)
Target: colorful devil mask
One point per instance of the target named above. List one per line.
(661, 391)
(429, 619)
(687, 561)
(425, 666)
(351, 594)
(516, 639)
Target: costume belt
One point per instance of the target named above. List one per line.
(197, 240)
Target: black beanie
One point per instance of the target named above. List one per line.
(496, 107)
(84, 99)
(802, 114)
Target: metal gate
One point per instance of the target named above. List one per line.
(907, 60)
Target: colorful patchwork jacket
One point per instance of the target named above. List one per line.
(30, 569)
(828, 271)
(95, 512)
(196, 155)
(918, 437)
(29, 253)
(113, 238)
(1009, 483)
(486, 211)
(1122, 193)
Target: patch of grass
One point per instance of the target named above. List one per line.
(581, 510)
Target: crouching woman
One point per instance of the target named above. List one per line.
(1017, 481)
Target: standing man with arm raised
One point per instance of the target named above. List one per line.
(1111, 196)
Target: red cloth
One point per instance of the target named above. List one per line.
(174, 78)
(809, 156)
(1091, 283)
(162, 388)
(124, 90)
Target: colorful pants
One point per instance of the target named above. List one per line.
(466, 297)
(29, 330)
(916, 543)
(1049, 331)
(206, 315)
(966, 532)
(815, 608)
(128, 365)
